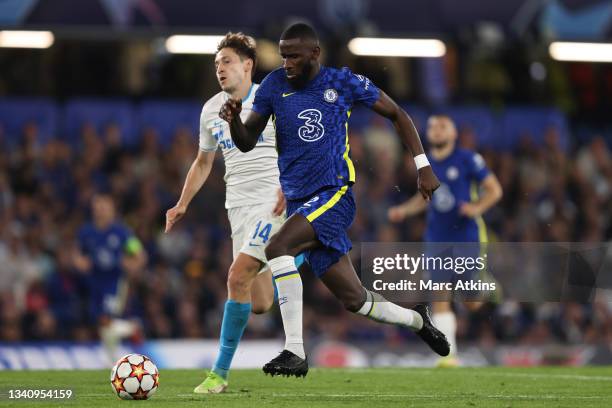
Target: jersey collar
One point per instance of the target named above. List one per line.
(246, 98)
(248, 95)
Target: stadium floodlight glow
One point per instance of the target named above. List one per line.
(26, 39)
(397, 47)
(580, 51)
(193, 44)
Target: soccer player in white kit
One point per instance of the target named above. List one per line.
(254, 202)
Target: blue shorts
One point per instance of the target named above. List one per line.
(458, 254)
(331, 212)
(104, 300)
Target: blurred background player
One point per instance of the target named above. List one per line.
(110, 256)
(311, 105)
(467, 190)
(255, 205)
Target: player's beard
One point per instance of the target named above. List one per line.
(301, 80)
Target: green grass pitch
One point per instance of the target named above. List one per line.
(372, 388)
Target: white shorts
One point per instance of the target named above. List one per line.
(252, 227)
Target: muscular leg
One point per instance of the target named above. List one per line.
(341, 279)
(262, 292)
(295, 236)
(241, 274)
(343, 282)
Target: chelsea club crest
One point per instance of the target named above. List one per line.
(330, 95)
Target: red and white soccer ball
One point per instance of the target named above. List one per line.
(134, 377)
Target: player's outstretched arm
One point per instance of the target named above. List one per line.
(244, 135)
(491, 193)
(197, 175)
(413, 206)
(385, 106)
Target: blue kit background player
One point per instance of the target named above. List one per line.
(107, 252)
(455, 211)
(310, 105)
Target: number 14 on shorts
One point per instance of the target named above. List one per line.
(262, 232)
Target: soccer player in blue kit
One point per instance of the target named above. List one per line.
(454, 213)
(108, 253)
(310, 105)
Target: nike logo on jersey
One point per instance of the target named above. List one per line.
(288, 94)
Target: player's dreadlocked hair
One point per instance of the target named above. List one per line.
(243, 44)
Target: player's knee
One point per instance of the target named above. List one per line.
(276, 248)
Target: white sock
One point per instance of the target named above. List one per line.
(447, 324)
(289, 286)
(379, 309)
(112, 334)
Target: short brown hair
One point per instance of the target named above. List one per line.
(242, 44)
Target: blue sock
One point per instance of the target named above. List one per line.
(235, 317)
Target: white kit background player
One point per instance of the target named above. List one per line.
(254, 202)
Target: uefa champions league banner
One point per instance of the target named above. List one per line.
(165, 353)
(200, 354)
(521, 271)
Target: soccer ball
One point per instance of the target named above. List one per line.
(134, 377)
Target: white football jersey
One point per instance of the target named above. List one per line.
(252, 177)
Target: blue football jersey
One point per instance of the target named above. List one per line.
(460, 175)
(105, 248)
(312, 127)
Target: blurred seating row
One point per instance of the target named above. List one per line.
(66, 121)
(500, 131)
(496, 130)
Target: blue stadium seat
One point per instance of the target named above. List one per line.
(167, 116)
(362, 117)
(533, 122)
(17, 112)
(419, 116)
(480, 120)
(99, 113)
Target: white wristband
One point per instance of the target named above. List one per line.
(421, 161)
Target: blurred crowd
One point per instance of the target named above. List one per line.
(45, 191)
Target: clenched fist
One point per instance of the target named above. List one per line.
(230, 110)
(427, 182)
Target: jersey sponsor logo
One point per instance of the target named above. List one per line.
(330, 95)
(287, 94)
(364, 79)
(443, 199)
(312, 130)
(452, 173)
(226, 143)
